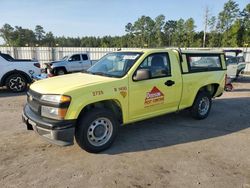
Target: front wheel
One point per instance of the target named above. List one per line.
(16, 83)
(60, 71)
(96, 130)
(202, 105)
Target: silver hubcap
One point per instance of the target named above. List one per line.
(17, 84)
(204, 106)
(100, 131)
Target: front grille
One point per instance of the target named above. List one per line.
(33, 99)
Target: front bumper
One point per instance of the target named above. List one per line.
(55, 131)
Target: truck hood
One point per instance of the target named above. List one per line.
(65, 83)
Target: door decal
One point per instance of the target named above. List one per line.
(154, 97)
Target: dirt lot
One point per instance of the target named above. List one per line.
(168, 151)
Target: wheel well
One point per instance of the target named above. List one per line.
(112, 105)
(25, 75)
(211, 88)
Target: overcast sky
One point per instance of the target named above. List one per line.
(100, 17)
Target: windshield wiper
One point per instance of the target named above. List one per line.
(103, 74)
(95, 73)
(99, 73)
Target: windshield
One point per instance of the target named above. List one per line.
(65, 58)
(7, 57)
(231, 60)
(241, 59)
(115, 64)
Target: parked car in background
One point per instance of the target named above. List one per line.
(232, 67)
(16, 74)
(241, 64)
(240, 61)
(69, 64)
(236, 58)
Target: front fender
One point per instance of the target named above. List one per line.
(59, 64)
(116, 91)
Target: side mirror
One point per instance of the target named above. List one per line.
(142, 74)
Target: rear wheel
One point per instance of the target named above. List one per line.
(96, 130)
(16, 83)
(202, 105)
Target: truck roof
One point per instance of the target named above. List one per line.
(199, 51)
(202, 51)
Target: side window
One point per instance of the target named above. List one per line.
(158, 65)
(84, 57)
(199, 63)
(75, 58)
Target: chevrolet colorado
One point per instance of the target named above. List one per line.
(121, 88)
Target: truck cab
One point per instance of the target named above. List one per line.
(121, 88)
(69, 64)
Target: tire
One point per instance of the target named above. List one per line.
(16, 83)
(96, 130)
(60, 71)
(202, 105)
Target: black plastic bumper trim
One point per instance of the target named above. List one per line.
(54, 131)
(47, 123)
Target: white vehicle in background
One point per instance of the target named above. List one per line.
(16, 74)
(69, 64)
(233, 57)
(232, 67)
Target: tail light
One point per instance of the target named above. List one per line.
(37, 65)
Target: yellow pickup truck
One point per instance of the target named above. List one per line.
(121, 88)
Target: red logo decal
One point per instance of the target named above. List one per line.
(154, 97)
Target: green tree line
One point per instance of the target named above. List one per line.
(230, 28)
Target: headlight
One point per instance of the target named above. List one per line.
(56, 98)
(53, 112)
(55, 106)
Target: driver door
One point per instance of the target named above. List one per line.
(158, 94)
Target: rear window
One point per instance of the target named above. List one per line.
(204, 62)
(84, 57)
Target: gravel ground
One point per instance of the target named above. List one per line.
(169, 151)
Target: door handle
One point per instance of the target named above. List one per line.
(169, 83)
